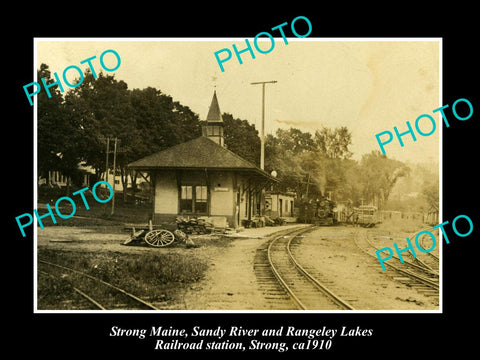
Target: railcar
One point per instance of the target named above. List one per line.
(366, 215)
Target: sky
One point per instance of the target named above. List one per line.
(367, 85)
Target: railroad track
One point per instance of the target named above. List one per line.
(416, 263)
(430, 262)
(286, 283)
(111, 302)
(433, 259)
(418, 276)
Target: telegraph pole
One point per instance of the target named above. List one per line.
(114, 173)
(107, 152)
(114, 168)
(262, 134)
(106, 162)
(262, 139)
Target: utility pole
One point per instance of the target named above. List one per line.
(106, 162)
(107, 152)
(262, 134)
(262, 140)
(114, 173)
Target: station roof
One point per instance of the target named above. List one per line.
(197, 154)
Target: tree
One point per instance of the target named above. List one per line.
(101, 109)
(295, 141)
(352, 188)
(185, 123)
(242, 138)
(315, 166)
(57, 133)
(430, 193)
(310, 165)
(333, 144)
(378, 176)
(291, 154)
(160, 123)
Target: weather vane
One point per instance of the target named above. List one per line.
(214, 79)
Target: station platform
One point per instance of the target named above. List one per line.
(261, 232)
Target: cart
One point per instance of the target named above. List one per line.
(159, 237)
(166, 234)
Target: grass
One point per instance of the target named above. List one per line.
(396, 226)
(154, 276)
(97, 215)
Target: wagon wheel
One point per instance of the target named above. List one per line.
(180, 235)
(159, 238)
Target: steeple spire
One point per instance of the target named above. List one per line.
(213, 126)
(214, 114)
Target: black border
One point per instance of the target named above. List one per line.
(60, 335)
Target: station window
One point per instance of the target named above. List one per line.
(193, 199)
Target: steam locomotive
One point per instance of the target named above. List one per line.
(318, 212)
(325, 212)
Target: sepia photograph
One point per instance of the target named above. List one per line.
(268, 174)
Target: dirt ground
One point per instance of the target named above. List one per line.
(86, 239)
(230, 282)
(331, 254)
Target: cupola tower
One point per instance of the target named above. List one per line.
(213, 125)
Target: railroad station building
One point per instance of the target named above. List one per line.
(202, 178)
